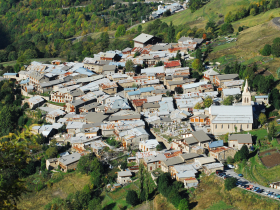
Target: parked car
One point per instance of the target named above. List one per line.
(221, 174)
(275, 195)
(270, 194)
(230, 166)
(256, 189)
(250, 187)
(240, 175)
(226, 176)
(278, 196)
(245, 186)
(219, 171)
(260, 191)
(266, 192)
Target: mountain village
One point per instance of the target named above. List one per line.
(153, 110)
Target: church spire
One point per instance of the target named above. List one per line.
(246, 95)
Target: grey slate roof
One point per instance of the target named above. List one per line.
(227, 76)
(95, 117)
(76, 92)
(187, 156)
(241, 138)
(51, 83)
(173, 161)
(91, 106)
(142, 38)
(109, 68)
(165, 119)
(150, 105)
(66, 160)
(201, 136)
(191, 140)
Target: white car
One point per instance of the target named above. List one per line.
(230, 166)
(266, 192)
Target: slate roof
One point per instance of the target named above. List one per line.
(201, 136)
(67, 160)
(142, 38)
(241, 138)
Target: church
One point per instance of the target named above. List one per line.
(234, 118)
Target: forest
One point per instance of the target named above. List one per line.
(37, 29)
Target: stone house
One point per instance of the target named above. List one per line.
(53, 116)
(69, 162)
(124, 177)
(222, 153)
(209, 75)
(220, 79)
(148, 145)
(236, 141)
(52, 163)
(109, 88)
(212, 168)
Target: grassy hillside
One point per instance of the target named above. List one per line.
(70, 184)
(210, 11)
(211, 195)
(246, 48)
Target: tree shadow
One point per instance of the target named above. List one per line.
(109, 206)
(192, 205)
(252, 154)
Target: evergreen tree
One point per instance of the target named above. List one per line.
(132, 198)
(244, 152)
(171, 33)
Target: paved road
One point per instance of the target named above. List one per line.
(276, 21)
(231, 173)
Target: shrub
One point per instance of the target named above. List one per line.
(230, 183)
(266, 51)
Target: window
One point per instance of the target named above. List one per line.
(228, 126)
(222, 126)
(240, 127)
(233, 145)
(247, 125)
(216, 126)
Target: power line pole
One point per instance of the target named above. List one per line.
(131, 21)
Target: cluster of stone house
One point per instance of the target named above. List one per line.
(99, 98)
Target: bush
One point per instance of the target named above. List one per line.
(179, 90)
(132, 198)
(226, 28)
(52, 152)
(230, 183)
(266, 51)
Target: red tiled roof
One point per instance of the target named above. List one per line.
(139, 102)
(174, 154)
(189, 179)
(171, 64)
(175, 49)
